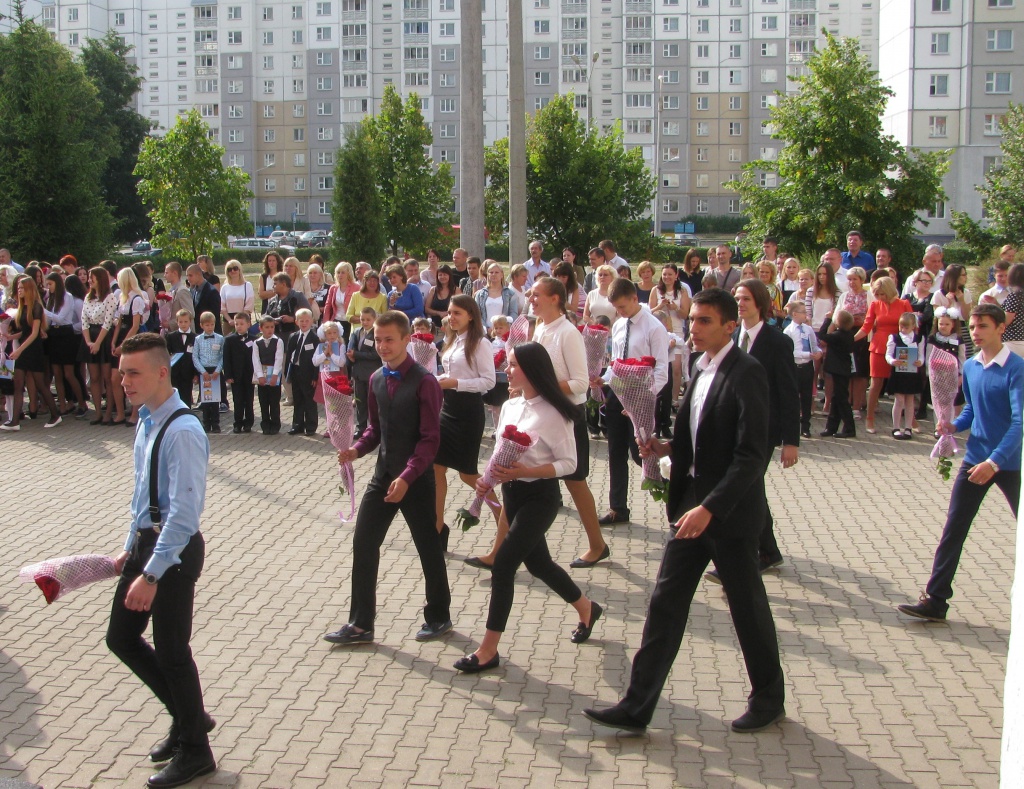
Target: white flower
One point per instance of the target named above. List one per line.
(665, 466)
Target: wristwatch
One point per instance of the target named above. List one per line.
(150, 579)
(992, 463)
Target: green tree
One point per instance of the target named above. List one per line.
(54, 141)
(837, 171)
(1003, 190)
(582, 184)
(414, 194)
(194, 199)
(356, 210)
(979, 240)
(116, 79)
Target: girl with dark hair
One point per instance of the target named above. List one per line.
(529, 489)
(273, 264)
(575, 295)
(954, 293)
(467, 375)
(29, 360)
(63, 340)
(98, 316)
(436, 305)
(671, 298)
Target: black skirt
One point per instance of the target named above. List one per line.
(582, 436)
(861, 359)
(462, 430)
(85, 356)
(62, 345)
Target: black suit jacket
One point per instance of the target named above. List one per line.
(731, 450)
(238, 359)
(774, 350)
(304, 367)
(208, 301)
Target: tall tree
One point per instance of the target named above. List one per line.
(357, 208)
(193, 199)
(582, 184)
(1002, 194)
(54, 141)
(836, 170)
(414, 193)
(117, 79)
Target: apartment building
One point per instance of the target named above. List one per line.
(954, 65)
(691, 81)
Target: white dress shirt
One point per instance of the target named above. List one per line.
(751, 334)
(647, 337)
(805, 342)
(552, 434)
(565, 346)
(532, 271)
(478, 377)
(705, 370)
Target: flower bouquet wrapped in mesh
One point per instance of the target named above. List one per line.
(163, 301)
(423, 351)
(518, 333)
(944, 376)
(632, 380)
(595, 343)
(339, 406)
(56, 577)
(509, 448)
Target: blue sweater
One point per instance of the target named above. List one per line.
(410, 302)
(995, 400)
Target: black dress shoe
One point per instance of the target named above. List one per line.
(310, 432)
(613, 517)
(584, 629)
(615, 718)
(765, 563)
(805, 433)
(187, 765)
(827, 433)
(166, 748)
(478, 563)
(755, 720)
(294, 431)
(236, 430)
(246, 429)
(471, 664)
(927, 608)
(579, 563)
(846, 434)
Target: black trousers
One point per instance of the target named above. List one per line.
(211, 411)
(242, 393)
(167, 667)
(681, 569)
(531, 508)
(270, 408)
(621, 446)
(304, 413)
(964, 503)
(663, 409)
(372, 524)
(182, 380)
(767, 544)
(362, 391)
(805, 386)
(840, 412)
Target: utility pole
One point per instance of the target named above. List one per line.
(471, 165)
(517, 240)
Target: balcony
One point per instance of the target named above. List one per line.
(209, 46)
(638, 6)
(575, 8)
(354, 65)
(415, 13)
(205, 23)
(417, 64)
(353, 41)
(207, 71)
(574, 35)
(416, 38)
(639, 60)
(643, 34)
(353, 16)
(803, 5)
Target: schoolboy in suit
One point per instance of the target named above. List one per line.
(364, 361)
(302, 374)
(268, 365)
(838, 363)
(182, 340)
(238, 372)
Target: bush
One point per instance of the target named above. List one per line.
(959, 253)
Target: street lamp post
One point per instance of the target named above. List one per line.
(590, 72)
(657, 154)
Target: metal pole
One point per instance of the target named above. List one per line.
(471, 165)
(657, 155)
(517, 241)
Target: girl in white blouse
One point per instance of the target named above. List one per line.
(467, 374)
(98, 311)
(236, 294)
(530, 492)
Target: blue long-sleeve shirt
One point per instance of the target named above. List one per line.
(995, 401)
(208, 351)
(410, 302)
(181, 482)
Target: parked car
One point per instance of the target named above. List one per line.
(313, 238)
(144, 249)
(280, 237)
(686, 240)
(250, 243)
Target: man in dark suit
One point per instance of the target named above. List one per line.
(302, 373)
(717, 504)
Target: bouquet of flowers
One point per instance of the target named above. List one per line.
(518, 333)
(944, 375)
(423, 350)
(510, 447)
(163, 301)
(56, 577)
(339, 406)
(632, 380)
(595, 344)
(501, 360)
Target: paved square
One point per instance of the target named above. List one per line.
(874, 700)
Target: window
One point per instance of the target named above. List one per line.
(542, 78)
(735, 155)
(938, 85)
(734, 205)
(268, 14)
(632, 75)
(769, 75)
(268, 86)
(767, 129)
(670, 24)
(296, 12)
(670, 102)
(323, 34)
(940, 6)
(540, 102)
(323, 9)
(298, 85)
(702, 181)
(268, 62)
(298, 184)
(324, 133)
(670, 50)
(236, 160)
(300, 208)
(353, 5)
(268, 38)
(447, 29)
(236, 111)
(670, 206)
(269, 111)
(207, 86)
(209, 110)
(446, 5)
(446, 54)
(735, 50)
(298, 134)
(324, 58)
(1000, 3)
(235, 86)
(703, 103)
(353, 30)
(417, 79)
(670, 76)
(419, 53)
(999, 40)
(703, 25)
(702, 154)
(235, 62)
(638, 100)
(992, 125)
(270, 184)
(424, 104)
(234, 36)
(735, 129)
(735, 102)
(938, 211)
(703, 51)
(50, 16)
(735, 77)
(298, 110)
(323, 208)
(297, 37)
(324, 108)
(119, 18)
(234, 12)
(735, 25)
(670, 128)
(324, 83)
(542, 3)
(937, 126)
(325, 158)
(541, 26)
(769, 23)
(298, 61)
(72, 39)
(446, 80)
(269, 135)
(997, 82)
(353, 56)
(768, 101)
(542, 53)
(299, 160)
(416, 28)
(702, 206)
(703, 77)
(638, 23)
(269, 159)
(236, 135)
(446, 131)
(636, 126)
(570, 23)
(940, 43)
(446, 105)
(703, 128)
(354, 80)
(72, 14)
(991, 163)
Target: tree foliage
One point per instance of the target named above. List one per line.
(54, 146)
(414, 193)
(1003, 190)
(117, 81)
(193, 199)
(837, 171)
(582, 185)
(357, 208)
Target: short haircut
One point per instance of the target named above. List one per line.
(844, 320)
(993, 311)
(858, 272)
(621, 288)
(759, 293)
(909, 317)
(303, 313)
(396, 268)
(721, 300)
(599, 252)
(796, 306)
(933, 249)
(770, 240)
(282, 277)
(645, 265)
(884, 286)
(1007, 248)
(207, 317)
(174, 266)
(150, 342)
(608, 246)
(267, 319)
(855, 233)
(1002, 265)
(516, 270)
(394, 318)
(194, 269)
(473, 259)
(243, 315)
(369, 311)
(183, 314)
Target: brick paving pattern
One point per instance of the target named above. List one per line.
(874, 700)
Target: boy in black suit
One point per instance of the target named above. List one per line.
(302, 374)
(718, 511)
(838, 337)
(268, 363)
(238, 371)
(183, 372)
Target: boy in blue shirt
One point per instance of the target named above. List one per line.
(208, 358)
(994, 390)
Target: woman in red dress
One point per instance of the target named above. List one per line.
(883, 317)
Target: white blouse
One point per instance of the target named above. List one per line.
(237, 298)
(552, 434)
(599, 305)
(478, 377)
(568, 353)
(99, 313)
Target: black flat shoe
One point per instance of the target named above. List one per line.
(186, 766)
(580, 563)
(97, 422)
(478, 563)
(582, 631)
(471, 664)
(115, 422)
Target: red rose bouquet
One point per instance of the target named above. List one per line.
(163, 303)
(423, 350)
(339, 406)
(509, 448)
(56, 577)
(632, 382)
(944, 375)
(501, 360)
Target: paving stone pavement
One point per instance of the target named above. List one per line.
(874, 700)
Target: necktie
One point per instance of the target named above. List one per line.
(745, 342)
(195, 297)
(625, 342)
(298, 347)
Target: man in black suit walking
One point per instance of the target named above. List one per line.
(717, 504)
